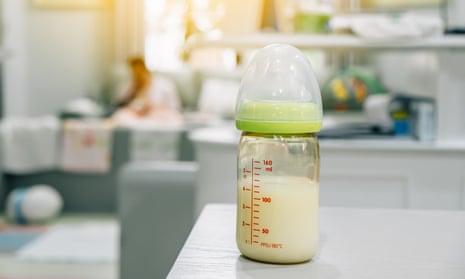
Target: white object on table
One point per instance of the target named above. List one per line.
(354, 243)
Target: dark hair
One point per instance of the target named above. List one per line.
(137, 61)
(133, 62)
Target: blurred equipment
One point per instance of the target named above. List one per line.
(386, 115)
(376, 111)
(454, 16)
(413, 116)
(312, 17)
(347, 89)
(302, 15)
(82, 108)
(32, 205)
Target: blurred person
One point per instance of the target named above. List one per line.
(147, 97)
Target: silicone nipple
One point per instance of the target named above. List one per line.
(279, 93)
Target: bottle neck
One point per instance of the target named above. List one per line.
(273, 135)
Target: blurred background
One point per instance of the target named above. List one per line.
(85, 187)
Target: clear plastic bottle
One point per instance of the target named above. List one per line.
(279, 111)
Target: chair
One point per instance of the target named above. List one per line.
(156, 212)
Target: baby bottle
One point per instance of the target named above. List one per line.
(278, 111)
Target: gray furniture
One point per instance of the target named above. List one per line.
(87, 192)
(2, 190)
(156, 213)
(97, 192)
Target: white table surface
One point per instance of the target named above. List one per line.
(354, 243)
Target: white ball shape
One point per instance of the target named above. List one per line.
(35, 204)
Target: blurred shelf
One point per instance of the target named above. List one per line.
(330, 42)
(451, 78)
(228, 136)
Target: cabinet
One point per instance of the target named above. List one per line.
(354, 173)
(367, 173)
(392, 175)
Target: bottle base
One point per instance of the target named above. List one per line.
(275, 257)
(277, 261)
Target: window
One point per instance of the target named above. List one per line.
(165, 25)
(169, 22)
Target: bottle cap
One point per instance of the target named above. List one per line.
(279, 93)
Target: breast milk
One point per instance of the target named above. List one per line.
(281, 224)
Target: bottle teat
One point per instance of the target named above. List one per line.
(279, 93)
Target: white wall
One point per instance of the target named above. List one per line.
(413, 73)
(56, 55)
(14, 66)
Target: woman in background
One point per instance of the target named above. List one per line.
(148, 98)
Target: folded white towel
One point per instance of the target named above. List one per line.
(155, 142)
(383, 26)
(86, 146)
(29, 144)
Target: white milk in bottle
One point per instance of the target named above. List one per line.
(285, 222)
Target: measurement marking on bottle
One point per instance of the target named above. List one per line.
(272, 245)
(266, 199)
(257, 201)
(251, 201)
